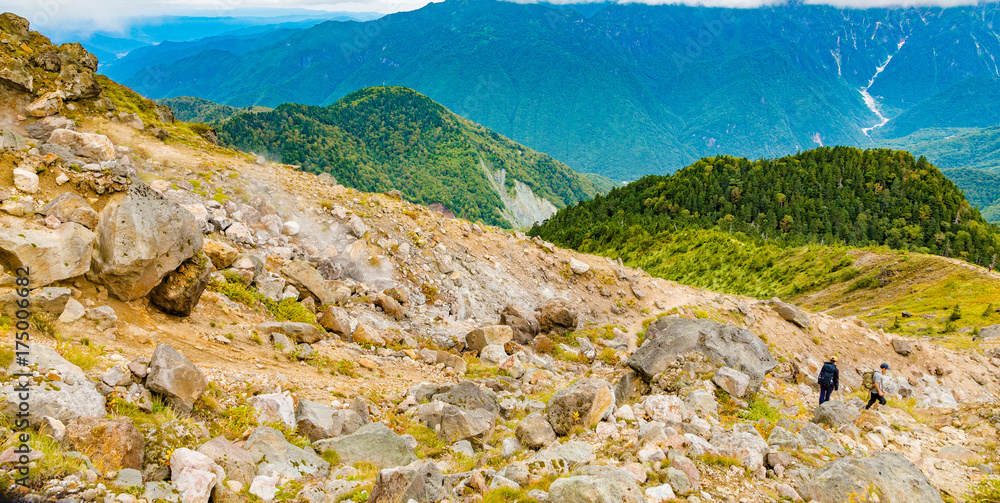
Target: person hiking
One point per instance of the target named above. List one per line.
(829, 380)
(877, 394)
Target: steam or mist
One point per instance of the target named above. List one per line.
(116, 16)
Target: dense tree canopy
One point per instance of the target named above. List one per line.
(385, 138)
(827, 195)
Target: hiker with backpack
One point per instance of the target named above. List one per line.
(829, 380)
(873, 379)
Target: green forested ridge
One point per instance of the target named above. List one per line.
(838, 195)
(384, 138)
(192, 109)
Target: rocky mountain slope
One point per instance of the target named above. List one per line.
(205, 326)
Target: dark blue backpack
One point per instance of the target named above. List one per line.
(826, 374)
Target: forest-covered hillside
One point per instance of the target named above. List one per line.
(828, 195)
(385, 138)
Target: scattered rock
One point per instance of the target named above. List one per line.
(268, 446)
(902, 346)
(494, 335)
(317, 421)
(419, 481)
(51, 255)
(585, 489)
(221, 254)
(274, 407)
(734, 347)
(92, 436)
(47, 104)
(96, 147)
(296, 331)
(390, 306)
(180, 290)
(557, 315)
(583, 403)
(25, 180)
(895, 478)
(373, 443)
(535, 432)
(171, 374)
(69, 207)
(732, 381)
(835, 413)
(523, 324)
(336, 320)
(237, 463)
(194, 475)
(578, 267)
(790, 313)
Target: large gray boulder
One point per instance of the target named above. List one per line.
(535, 432)
(172, 375)
(582, 403)
(419, 481)
(50, 255)
(296, 331)
(742, 442)
(790, 313)
(734, 347)
(835, 413)
(631, 492)
(317, 421)
(181, 290)
(50, 299)
(373, 443)
(70, 207)
(586, 489)
(74, 396)
(305, 278)
(521, 321)
(457, 424)
(557, 315)
(95, 147)
(269, 449)
(141, 238)
(469, 396)
(495, 335)
(894, 477)
(237, 462)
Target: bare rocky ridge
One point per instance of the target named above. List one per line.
(349, 345)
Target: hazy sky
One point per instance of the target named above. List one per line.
(108, 14)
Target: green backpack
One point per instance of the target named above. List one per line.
(868, 380)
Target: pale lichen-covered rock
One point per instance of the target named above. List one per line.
(50, 255)
(373, 443)
(583, 403)
(93, 436)
(95, 147)
(141, 238)
(47, 104)
(734, 347)
(70, 207)
(895, 478)
(172, 375)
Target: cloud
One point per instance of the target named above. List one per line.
(115, 15)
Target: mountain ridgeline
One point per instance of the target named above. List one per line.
(838, 195)
(384, 138)
(619, 89)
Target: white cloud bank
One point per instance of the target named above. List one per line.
(111, 15)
